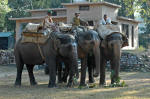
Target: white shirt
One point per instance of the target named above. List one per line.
(103, 22)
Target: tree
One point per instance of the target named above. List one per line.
(3, 10)
(145, 14)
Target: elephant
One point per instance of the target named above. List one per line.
(57, 45)
(88, 42)
(111, 51)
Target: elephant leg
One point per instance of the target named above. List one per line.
(90, 64)
(65, 73)
(71, 72)
(46, 70)
(97, 58)
(102, 71)
(51, 61)
(20, 66)
(59, 67)
(31, 75)
(83, 71)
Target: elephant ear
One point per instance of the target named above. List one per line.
(125, 41)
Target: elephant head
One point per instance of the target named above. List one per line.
(115, 37)
(66, 47)
(111, 50)
(89, 42)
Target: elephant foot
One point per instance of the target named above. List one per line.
(33, 83)
(91, 80)
(17, 84)
(96, 74)
(83, 84)
(69, 85)
(52, 85)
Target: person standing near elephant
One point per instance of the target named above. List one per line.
(105, 20)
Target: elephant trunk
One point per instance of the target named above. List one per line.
(74, 61)
(96, 51)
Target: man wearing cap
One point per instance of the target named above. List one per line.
(105, 20)
(48, 22)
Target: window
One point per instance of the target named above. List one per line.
(132, 36)
(84, 8)
(125, 29)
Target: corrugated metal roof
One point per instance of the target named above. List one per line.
(55, 9)
(5, 34)
(36, 18)
(92, 3)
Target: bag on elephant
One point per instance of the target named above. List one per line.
(32, 27)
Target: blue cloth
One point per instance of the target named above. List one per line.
(5, 34)
(108, 21)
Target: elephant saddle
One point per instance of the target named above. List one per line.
(106, 30)
(34, 37)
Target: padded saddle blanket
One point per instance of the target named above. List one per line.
(105, 30)
(65, 27)
(32, 27)
(31, 37)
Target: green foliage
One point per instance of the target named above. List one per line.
(145, 14)
(144, 40)
(141, 48)
(3, 10)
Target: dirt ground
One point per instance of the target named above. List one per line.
(138, 87)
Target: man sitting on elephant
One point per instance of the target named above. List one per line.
(48, 23)
(105, 20)
(78, 22)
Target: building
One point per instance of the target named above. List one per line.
(89, 11)
(6, 40)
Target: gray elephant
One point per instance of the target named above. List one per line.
(88, 42)
(57, 45)
(111, 51)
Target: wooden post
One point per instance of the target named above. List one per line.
(18, 30)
